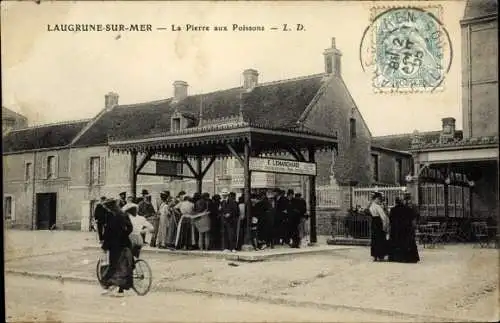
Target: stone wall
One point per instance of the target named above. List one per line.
(480, 105)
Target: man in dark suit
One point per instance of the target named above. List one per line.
(123, 199)
(100, 216)
(281, 220)
(230, 212)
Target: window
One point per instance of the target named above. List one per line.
(398, 172)
(352, 127)
(176, 124)
(375, 167)
(27, 172)
(95, 170)
(51, 167)
(328, 64)
(8, 208)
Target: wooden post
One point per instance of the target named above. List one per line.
(247, 191)
(312, 198)
(446, 193)
(199, 175)
(133, 174)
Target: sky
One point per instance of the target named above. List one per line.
(52, 76)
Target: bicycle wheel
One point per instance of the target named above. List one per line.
(142, 276)
(100, 271)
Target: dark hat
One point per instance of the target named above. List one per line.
(123, 193)
(290, 191)
(103, 198)
(181, 193)
(377, 195)
(145, 192)
(109, 202)
(164, 193)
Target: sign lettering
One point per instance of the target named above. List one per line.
(282, 166)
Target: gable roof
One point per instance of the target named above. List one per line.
(402, 142)
(9, 114)
(274, 105)
(42, 137)
(480, 8)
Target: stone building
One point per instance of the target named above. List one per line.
(12, 120)
(457, 171)
(319, 102)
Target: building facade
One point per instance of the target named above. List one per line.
(12, 120)
(87, 169)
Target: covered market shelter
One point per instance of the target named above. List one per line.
(251, 145)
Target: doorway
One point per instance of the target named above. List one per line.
(46, 208)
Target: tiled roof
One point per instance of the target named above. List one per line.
(8, 113)
(402, 142)
(474, 142)
(480, 8)
(274, 105)
(40, 137)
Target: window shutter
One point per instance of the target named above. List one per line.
(44, 168)
(102, 170)
(56, 166)
(88, 165)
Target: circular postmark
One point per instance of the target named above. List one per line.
(408, 49)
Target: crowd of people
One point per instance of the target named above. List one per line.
(393, 232)
(215, 222)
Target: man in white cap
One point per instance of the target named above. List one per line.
(139, 226)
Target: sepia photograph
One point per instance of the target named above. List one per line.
(250, 161)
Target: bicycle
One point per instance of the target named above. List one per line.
(142, 275)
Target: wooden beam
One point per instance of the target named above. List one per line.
(212, 160)
(199, 176)
(163, 160)
(133, 174)
(186, 161)
(143, 162)
(312, 198)
(247, 189)
(164, 175)
(235, 154)
(295, 153)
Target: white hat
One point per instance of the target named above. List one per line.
(129, 206)
(225, 191)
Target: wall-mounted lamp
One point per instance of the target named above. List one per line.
(471, 183)
(447, 181)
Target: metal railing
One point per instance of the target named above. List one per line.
(351, 226)
(328, 196)
(362, 196)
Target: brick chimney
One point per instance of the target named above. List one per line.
(250, 79)
(110, 100)
(448, 129)
(180, 90)
(332, 59)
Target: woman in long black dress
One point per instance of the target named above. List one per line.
(118, 244)
(379, 228)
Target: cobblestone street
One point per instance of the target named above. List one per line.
(457, 282)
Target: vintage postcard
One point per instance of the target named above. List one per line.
(250, 161)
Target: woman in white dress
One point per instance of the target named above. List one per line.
(161, 240)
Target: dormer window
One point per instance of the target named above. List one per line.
(176, 124)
